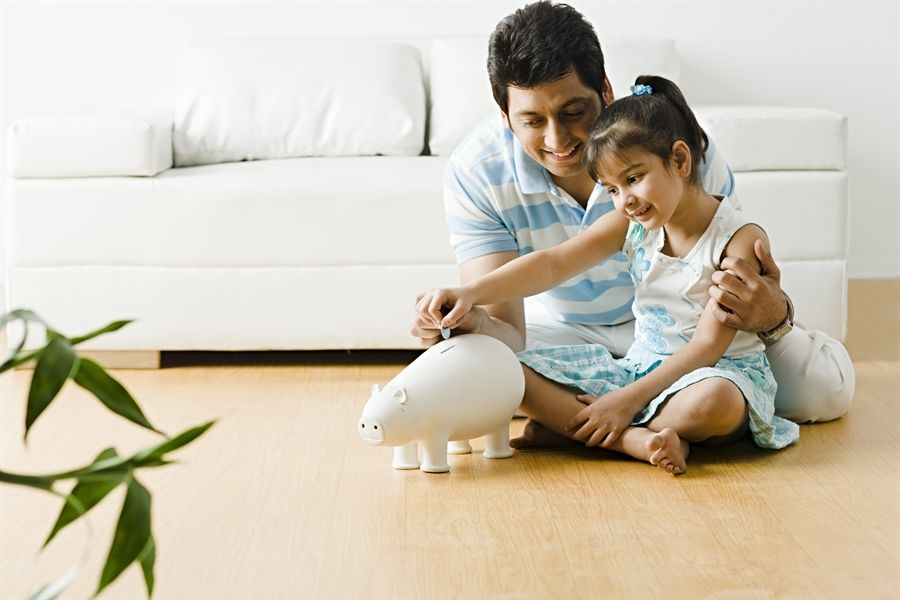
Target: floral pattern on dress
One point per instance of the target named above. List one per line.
(649, 330)
(639, 264)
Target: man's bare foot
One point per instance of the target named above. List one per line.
(668, 451)
(535, 435)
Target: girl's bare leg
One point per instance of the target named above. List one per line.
(550, 406)
(712, 411)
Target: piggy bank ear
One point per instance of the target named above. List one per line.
(375, 389)
(400, 395)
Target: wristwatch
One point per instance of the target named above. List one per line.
(779, 331)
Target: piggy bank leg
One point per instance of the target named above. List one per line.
(496, 443)
(406, 457)
(459, 447)
(434, 456)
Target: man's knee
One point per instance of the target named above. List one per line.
(815, 377)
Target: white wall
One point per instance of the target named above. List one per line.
(837, 55)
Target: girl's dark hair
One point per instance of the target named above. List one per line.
(652, 122)
(542, 43)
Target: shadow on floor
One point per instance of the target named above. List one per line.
(289, 357)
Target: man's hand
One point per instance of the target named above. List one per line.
(747, 300)
(604, 419)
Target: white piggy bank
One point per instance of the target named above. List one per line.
(457, 390)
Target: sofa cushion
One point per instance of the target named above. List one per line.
(461, 92)
(250, 98)
(91, 145)
(294, 212)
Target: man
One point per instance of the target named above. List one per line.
(517, 184)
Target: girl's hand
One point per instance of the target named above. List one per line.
(430, 304)
(604, 419)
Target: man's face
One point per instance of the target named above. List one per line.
(553, 122)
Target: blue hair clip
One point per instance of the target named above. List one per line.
(641, 90)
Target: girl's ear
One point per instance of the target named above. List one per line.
(681, 159)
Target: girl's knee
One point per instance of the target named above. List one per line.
(720, 407)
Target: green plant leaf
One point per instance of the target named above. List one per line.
(114, 326)
(25, 316)
(132, 533)
(21, 313)
(92, 377)
(148, 560)
(56, 363)
(87, 493)
(145, 456)
(41, 482)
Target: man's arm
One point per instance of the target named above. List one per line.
(746, 299)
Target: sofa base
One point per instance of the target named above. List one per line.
(278, 308)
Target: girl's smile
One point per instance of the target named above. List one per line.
(642, 188)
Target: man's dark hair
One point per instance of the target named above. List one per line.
(542, 43)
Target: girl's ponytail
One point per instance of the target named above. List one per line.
(654, 118)
(668, 89)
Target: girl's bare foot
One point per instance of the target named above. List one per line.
(535, 435)
(668, 451)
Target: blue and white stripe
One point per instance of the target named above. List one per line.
(497, 199)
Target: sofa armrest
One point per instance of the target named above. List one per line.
(91, 145)
(777, 138)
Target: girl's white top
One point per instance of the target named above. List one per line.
(671, 292)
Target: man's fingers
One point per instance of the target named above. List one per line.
(727, 280)
(769, 267)
(726, 299)
(741, 268)
(727, 318)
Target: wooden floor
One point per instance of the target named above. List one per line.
(282, 500)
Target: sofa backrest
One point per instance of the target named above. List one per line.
(268, 97)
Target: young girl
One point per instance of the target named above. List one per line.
(688, 377)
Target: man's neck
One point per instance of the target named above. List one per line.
(579, 186)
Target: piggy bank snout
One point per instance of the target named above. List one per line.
(371, 431)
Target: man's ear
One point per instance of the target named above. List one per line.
(681, 158)
(607, 92)
(505, 118)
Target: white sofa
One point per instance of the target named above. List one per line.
(292, 197)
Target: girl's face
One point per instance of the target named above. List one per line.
(642, 187)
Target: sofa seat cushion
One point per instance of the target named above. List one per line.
(248, 98)
(311, 211)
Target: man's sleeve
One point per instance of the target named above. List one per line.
(476, 225)
(716, 174)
